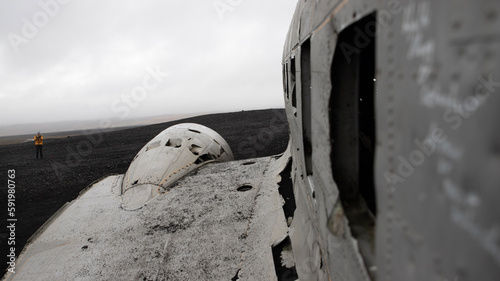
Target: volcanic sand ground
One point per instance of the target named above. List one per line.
(72, 163)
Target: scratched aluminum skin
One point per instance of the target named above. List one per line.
(435, 158)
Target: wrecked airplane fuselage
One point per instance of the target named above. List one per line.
(393, 113)
(169, 156)
(393, 109)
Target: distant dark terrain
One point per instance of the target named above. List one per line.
(72, 163)
(5, 140)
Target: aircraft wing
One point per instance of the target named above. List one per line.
(218, 223)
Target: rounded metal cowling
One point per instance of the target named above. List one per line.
(168, 157)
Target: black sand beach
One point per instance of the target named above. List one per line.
(72, 163)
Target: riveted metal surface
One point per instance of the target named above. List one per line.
(437, 143)
(169, 156)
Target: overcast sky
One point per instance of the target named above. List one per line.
(86, 59)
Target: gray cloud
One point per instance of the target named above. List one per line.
(84, 56)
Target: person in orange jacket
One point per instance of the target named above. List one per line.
(39, 144)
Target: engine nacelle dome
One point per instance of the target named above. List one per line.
(169, 156)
